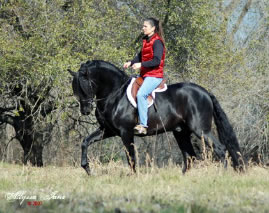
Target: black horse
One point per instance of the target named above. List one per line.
(184, 108)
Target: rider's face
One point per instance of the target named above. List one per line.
(148, 29)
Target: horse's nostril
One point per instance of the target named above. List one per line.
(85, 113)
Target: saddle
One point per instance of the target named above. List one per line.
(136, 84)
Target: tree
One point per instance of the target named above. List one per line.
(39, 41)
(31, 65)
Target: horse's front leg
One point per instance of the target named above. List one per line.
(96, 136)
(128, 141)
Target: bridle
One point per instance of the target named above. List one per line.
(91, 99)
(88, 101)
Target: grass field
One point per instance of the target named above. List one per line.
(205, 188)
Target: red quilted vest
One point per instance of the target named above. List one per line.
(147, 55)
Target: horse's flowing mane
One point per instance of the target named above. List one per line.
(101, 64)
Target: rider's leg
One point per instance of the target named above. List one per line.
(149, 84)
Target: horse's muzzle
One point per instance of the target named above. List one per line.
(85, 113)
(86, 110)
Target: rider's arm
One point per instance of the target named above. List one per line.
(137, 59)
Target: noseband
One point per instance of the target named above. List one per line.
(87, 101)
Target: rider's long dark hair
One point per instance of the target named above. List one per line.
(158, 27)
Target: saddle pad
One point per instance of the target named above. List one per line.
(133, 101)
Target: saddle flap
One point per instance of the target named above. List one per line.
(137, 84)
(162, 85)
(135, 87)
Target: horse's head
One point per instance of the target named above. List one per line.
(84, 88)
(96, 79)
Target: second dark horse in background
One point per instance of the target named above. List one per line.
(184, 105)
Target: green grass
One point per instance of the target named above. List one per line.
(205, 188)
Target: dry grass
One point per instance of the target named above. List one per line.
(205, 188)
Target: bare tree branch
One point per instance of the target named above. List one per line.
(8, 109)
(165, 21)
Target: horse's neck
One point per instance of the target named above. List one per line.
(109, 83)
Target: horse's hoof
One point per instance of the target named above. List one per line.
(87, 169)
(184, 169)
(241, 169)
(240, 166)
(131, 173)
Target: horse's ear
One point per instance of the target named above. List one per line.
(71, 72)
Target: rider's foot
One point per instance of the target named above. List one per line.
(140, 129)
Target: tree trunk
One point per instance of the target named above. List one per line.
(33, 154)
(31, 144)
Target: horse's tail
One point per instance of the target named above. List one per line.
(226, 134)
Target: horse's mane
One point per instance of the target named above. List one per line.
(101, 64)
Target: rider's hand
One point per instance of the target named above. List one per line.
(127, 64)
(136, 66)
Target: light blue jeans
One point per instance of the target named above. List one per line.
(149, 84)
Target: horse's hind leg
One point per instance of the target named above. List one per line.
(218, 147)
(184, 142)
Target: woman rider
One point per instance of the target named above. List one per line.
(150, 61)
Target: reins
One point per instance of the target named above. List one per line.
(113, 93)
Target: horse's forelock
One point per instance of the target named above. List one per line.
(84, 69)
